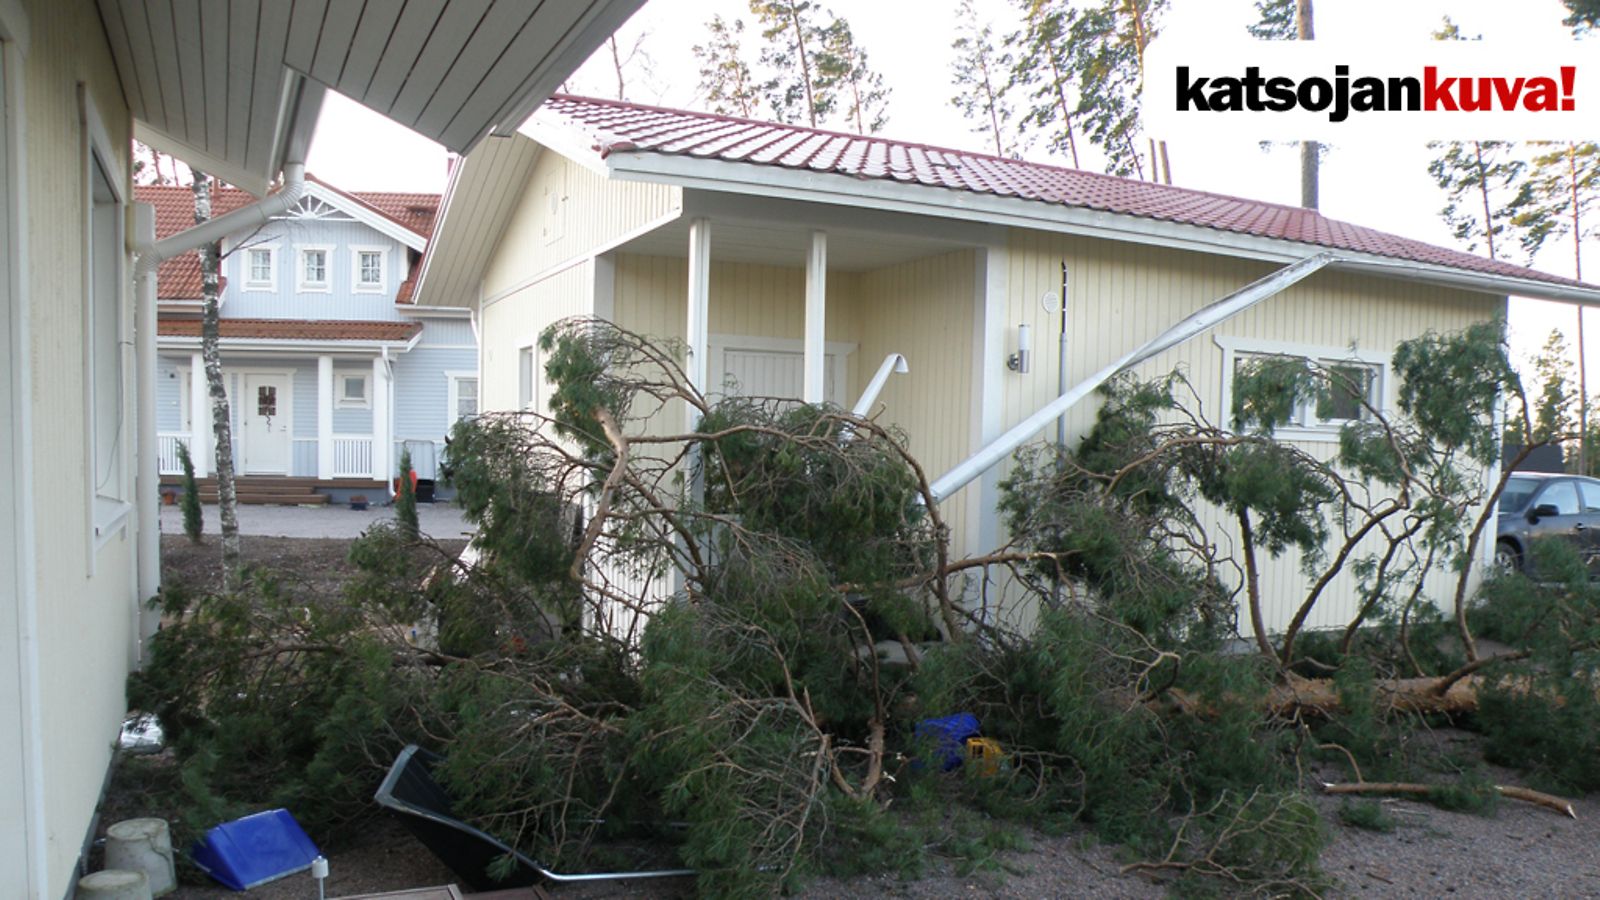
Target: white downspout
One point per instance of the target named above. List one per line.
(1212, 315)
(894, 362)
(151, 253)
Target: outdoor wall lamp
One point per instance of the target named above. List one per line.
(1018, 361)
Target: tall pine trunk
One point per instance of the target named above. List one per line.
(221, 418)
(1310, 151)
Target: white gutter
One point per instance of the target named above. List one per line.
(257, 214)
(1194, 324)
(894, 362)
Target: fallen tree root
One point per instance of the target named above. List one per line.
(1399, 787)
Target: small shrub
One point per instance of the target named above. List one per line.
(1367, 814)
(405, 501)
(193, 524)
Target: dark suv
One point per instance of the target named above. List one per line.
(1538, 506)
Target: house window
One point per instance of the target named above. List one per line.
(527, 394)
(104, 363)
(353, 392)
(314, 269)
(463, 396)
(367, 263)
(261, 270)
(1350, 385)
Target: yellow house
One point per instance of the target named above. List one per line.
(235, 89)
(802, 263)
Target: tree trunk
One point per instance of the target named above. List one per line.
(1483, 191)
(804, 59)
(1310, 151)
(1577, 272)
(221, 427)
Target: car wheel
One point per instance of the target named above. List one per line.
(1506, 558)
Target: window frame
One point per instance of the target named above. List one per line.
(356, 284)
(246, 269)
(527, 375)
(453, 393)
(341, 398)
(108, 500)
(325, 286)
(1307, 424)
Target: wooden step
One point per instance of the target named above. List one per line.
(271, 499)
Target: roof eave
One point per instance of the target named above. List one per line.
(830, 187)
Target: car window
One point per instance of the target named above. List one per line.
(1591, 496)
(1563, 495)
(1516, 494)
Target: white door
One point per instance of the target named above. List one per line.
(773, 373)
(266, 424)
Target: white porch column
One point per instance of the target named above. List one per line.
(699, 308)
(199, 417)
(382, 443)
(991, 308)
(816, 316)
(324, 417)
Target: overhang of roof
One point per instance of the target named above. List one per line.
(294, 330)
(720, 153)
(235, 87)
(484, 189)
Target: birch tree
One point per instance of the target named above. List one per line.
(221, 418)
(844, 72)
(794, 38)
(977, 76)
(726, 82)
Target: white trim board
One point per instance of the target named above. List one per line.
(844, 190)
(367, 216)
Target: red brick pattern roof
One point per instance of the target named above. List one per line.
(179, 277)
(618, 127)
(295, 329)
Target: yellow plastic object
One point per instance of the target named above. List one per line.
(985, 756)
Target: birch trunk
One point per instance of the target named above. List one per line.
(221, 418)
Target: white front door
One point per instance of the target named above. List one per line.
(265, 417)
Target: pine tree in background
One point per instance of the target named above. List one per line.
(795, 92)
(1292, 20)
(726, 82)
(1482, 185)
(977, 73)
(193, 519)
(1585, 15)
(843, 70)
(1040, 69)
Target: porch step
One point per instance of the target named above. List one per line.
(278, 498)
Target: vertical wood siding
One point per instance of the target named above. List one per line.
(587, 212)
(340, 301)
(517, 320)
(1120, 295)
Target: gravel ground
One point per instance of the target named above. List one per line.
(1518, 850)
(442, 520)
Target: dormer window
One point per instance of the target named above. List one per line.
(314, 268)
(260, 269)
(368, 265)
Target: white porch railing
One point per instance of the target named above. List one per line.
(167, 451)
(352, 456)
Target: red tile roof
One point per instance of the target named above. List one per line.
(295, 329)
(618, 127)
(179, 277)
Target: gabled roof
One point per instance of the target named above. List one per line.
(294, 329)
(621, 134)
(234, 88)
(179, 277)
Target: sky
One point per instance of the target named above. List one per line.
(1380, 184)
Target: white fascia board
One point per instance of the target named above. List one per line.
(286, 345)
(449, 220)
(440, 223)
(255, 183)
(555, 132)
(433, 312)
(830, 187)
(366, 216)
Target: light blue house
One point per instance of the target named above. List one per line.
(331, 370)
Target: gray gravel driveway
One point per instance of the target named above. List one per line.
(440, 520)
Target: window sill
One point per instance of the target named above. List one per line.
(110, 516)
(1328, 433)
